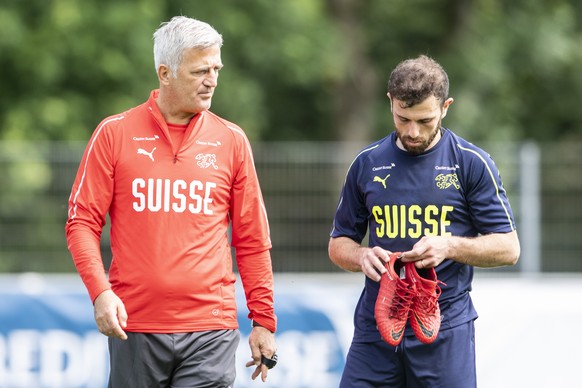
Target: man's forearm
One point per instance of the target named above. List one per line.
(343, 252)
(487, 251)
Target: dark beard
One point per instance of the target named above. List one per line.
(419, 149)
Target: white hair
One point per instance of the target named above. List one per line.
(179, 34)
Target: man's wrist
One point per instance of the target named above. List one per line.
(257, 324)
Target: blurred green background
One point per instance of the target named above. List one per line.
(306, 78)
(298, 69)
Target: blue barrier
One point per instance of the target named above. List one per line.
(48, 337)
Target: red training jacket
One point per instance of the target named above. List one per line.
(170, 208)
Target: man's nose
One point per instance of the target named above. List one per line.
(413, 129)
(211, 79)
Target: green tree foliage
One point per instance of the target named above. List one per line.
(66, 64)
(294, 70)
(514, 69)
(297, 69)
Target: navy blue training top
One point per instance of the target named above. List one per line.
(453, 189)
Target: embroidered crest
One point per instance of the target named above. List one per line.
(206, 160)
(444, 181)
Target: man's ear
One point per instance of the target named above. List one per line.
(446, 105)
(390, 98)
(164, 74)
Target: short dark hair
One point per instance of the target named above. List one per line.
(414, 80)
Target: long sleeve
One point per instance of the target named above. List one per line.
(88, 205)
(251, 238)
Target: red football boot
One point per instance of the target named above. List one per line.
(393, 302)
(425, 313)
